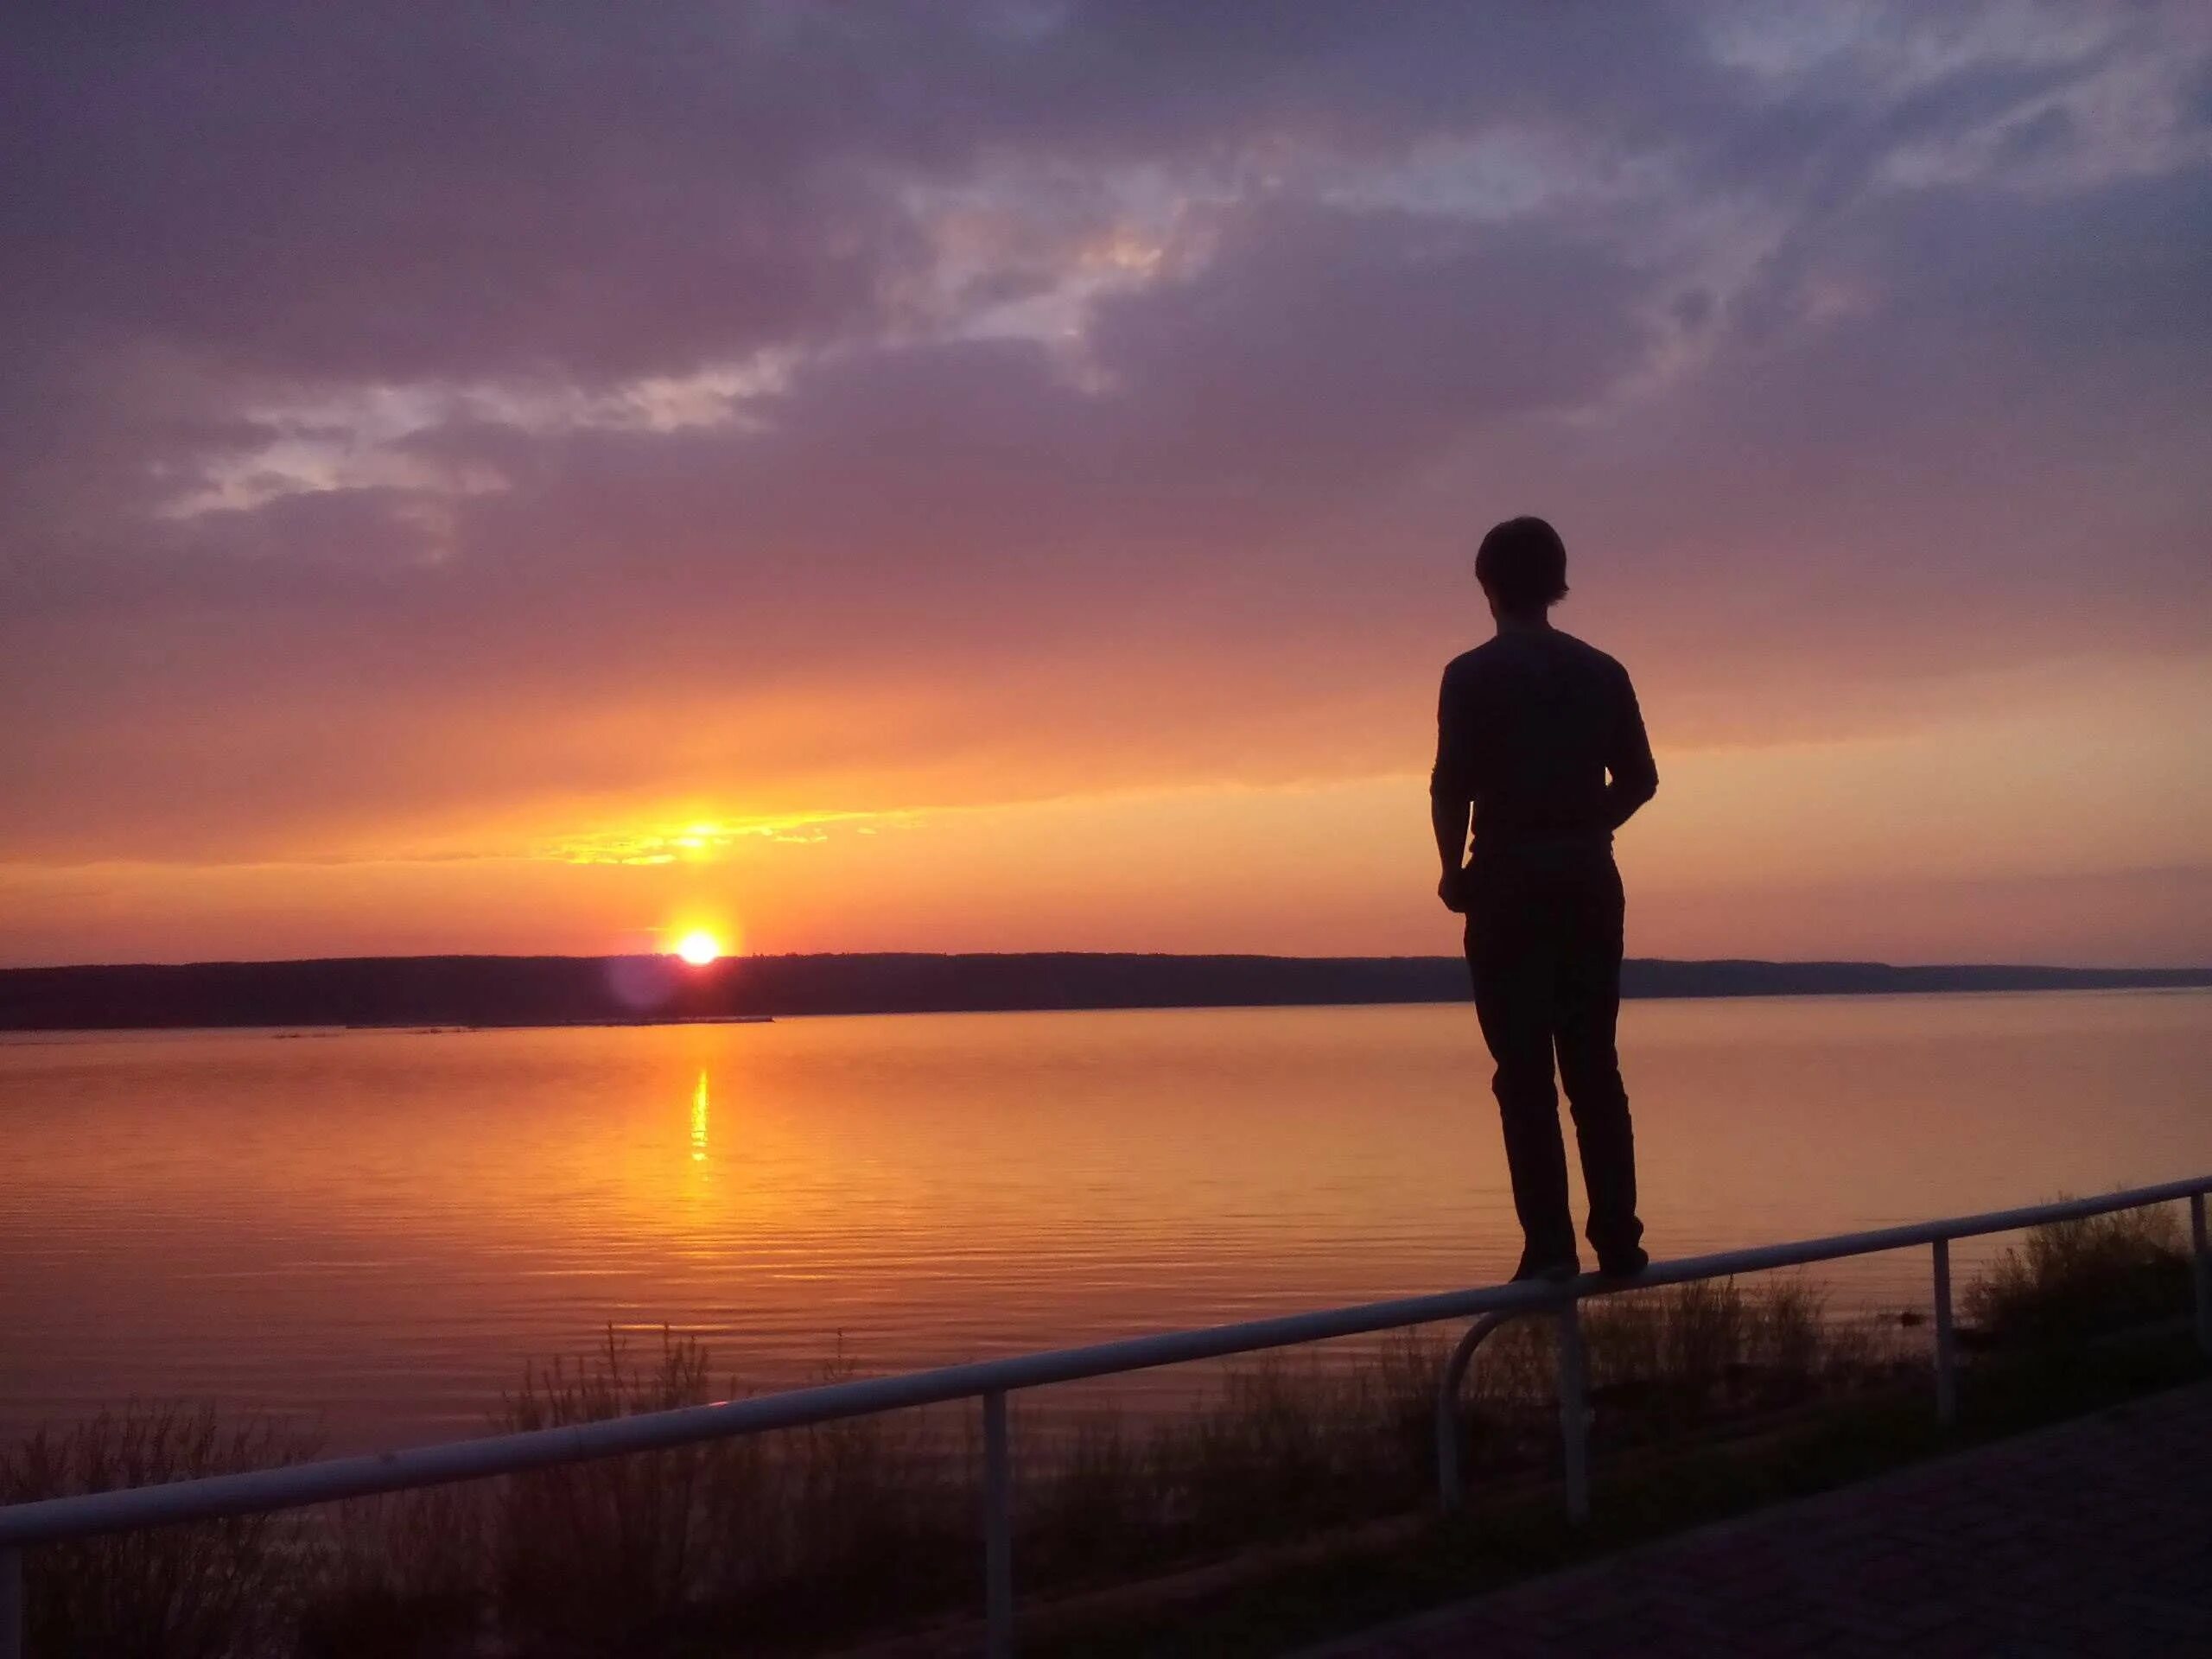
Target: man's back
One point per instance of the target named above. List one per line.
(1539, 740)
(1529, 726)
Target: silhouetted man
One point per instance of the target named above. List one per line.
(1538, 738)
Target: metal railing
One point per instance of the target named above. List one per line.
(24, 1526)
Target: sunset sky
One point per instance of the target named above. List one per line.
(1006, 476)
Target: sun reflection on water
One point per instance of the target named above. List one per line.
(699, 1119)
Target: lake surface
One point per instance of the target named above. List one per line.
(376, 1229)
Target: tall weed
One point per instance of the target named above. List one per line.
(211, 1590)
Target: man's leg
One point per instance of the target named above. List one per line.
(1510, 960)
(1589, 1063)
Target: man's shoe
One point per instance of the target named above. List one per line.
(1623, 1264)
(1547, 1269)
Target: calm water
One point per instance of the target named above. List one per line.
(378, 1228)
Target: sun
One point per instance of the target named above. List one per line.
(698, 949)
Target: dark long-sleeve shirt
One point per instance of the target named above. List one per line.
(1541, 733)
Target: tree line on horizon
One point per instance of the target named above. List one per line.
(410, 991)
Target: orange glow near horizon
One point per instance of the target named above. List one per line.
(2055, 824)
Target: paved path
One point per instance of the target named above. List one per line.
(2091, 1538)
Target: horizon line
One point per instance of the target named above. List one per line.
(723, 963)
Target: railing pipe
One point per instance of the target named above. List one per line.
(213, 1496)
(1947, 1369)
(998, 1531)
(1448, 1490)
(261, 1490)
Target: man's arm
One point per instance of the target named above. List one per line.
(1451, 795)
(1632, 776)
(1449, 819)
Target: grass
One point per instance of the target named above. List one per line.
(401, 1574)
(570, 1546)
(1709, 1398)
(2075, 1279)
(201, 1591)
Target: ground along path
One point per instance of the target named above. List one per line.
(2091, 1538)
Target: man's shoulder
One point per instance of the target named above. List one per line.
(1478, 676)
(1597, 661)
(1469, 661)
(1509, 652)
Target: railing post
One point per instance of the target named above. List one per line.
(2199, 1269)
(1574, 1413)
(1447, 1408)
(11, 1603)
(1447, 1444)
(998, 1531)
(1946, 1368)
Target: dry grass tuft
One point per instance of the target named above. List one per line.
(617, 1543)
(2071, 1279)
(209, 1591)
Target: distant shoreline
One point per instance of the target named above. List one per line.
(387, 992)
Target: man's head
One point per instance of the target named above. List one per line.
(1522, 565)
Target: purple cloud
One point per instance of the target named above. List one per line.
(398, 384)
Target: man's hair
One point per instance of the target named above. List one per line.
(1523, 565)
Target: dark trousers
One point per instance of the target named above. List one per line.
(1544, 949)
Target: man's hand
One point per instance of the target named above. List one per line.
(1448, 814)
(1453, 890)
